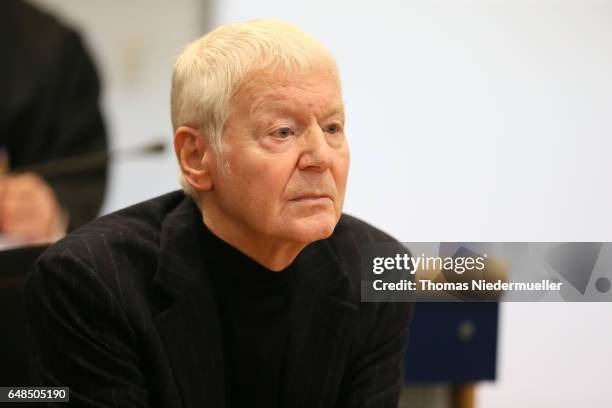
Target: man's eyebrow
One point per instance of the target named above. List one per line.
(337, 110)
(270, 107)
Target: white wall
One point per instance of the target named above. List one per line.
(468, 121)
(474, 122)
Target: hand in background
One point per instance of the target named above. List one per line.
(29, 208)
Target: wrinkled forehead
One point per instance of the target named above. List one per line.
(264, 88)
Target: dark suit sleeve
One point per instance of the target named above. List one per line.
(374, 378)
(80, 337)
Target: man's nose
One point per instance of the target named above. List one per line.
(317, 154)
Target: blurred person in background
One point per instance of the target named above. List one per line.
(49, 110)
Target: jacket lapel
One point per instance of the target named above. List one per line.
(322, 315)
(189, 324)
(322, 318)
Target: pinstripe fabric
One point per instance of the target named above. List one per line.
(123, 312)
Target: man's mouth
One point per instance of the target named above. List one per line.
(311, 198)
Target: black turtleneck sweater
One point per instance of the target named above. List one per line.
(254, 309)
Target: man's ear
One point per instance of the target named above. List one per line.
(194, 155)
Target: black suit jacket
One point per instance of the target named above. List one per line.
(123, 312)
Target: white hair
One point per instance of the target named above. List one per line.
(209, 71)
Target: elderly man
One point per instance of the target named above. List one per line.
(244, 292)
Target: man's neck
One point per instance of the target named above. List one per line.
(270, 253)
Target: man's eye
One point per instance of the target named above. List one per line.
(283, 132)
(333, 128)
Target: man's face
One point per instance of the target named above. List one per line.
(286, 160)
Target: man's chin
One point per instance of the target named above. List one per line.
(314, 228)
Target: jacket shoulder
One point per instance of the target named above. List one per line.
(353, 240)
(139, 221)
(126, 240)
(352, 236)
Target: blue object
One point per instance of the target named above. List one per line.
(452, 342)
